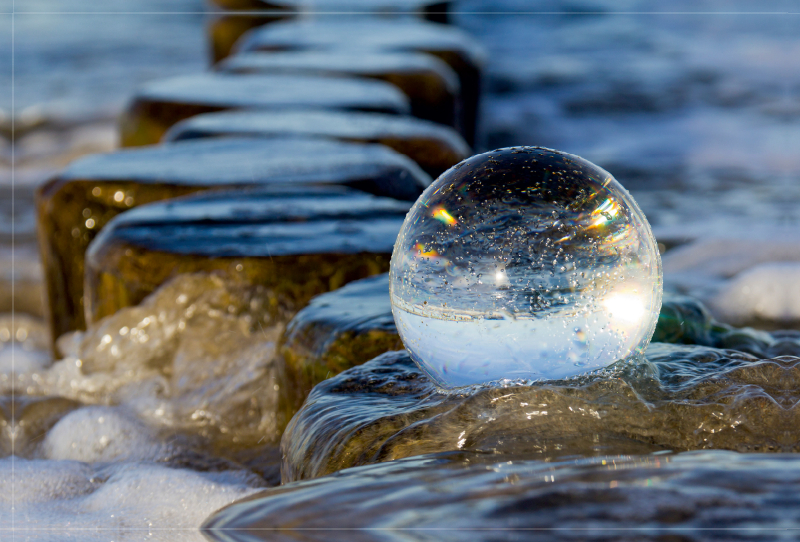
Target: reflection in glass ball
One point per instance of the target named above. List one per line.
(522, 264)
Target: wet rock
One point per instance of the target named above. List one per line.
(451, 45)
(682, 398)
(160, 104)
(746, 277)
(349, 326)
(339, 330)
(442, 496)
(295, 242)
(431, 85)
(74, 206)
(434, 147)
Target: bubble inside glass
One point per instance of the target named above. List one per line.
(523, 264)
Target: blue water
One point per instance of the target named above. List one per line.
(698, 114)
(83, 58)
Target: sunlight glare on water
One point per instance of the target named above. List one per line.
(523, 264)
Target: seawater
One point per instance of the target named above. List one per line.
(695, 114)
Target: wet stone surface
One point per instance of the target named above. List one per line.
(431, 85)
(225, 30)
(434, 147)
(74, 206)
(339, 330)
(295, 242)
(158, 105)
(349, 326)
(701, 395)
(454, 47)
(452, 495)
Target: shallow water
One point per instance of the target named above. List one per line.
(452, 496)
(696, 115)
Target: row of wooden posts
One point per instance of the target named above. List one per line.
(290, 164)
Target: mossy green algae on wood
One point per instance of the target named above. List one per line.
(76, 204)
(344, 328)
(158, 105)
(434, 147)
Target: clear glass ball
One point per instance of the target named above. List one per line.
(524, 264)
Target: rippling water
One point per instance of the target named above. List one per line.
(696, 114)
(693, 496)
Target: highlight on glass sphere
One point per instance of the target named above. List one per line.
(524, 264)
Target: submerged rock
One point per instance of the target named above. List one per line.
(160, 104)
(433, 146)
(294, 242)
(355, 33)
(337, 331)
(430, 84)
(699, 395)
(441, 497)
(73, 207)
(349, 326)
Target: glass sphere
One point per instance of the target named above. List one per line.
(524, 264)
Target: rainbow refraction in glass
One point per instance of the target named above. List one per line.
(524, 264)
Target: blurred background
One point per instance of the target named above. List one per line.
(693, 106)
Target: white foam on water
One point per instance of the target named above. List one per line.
(742, 277)
(70, 500)
(23, 344)
(22, 360)
(727, 256)
(766, 292)
(102, 434)
(187, 358)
